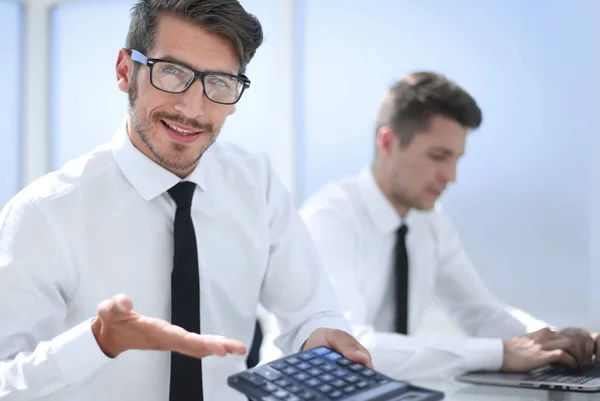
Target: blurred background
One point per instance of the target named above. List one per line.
(527, 201)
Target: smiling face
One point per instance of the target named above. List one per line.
(416, 174)
(174, 130)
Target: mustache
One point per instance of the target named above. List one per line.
(161, 115)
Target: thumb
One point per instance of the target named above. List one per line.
(114, 309)
(360, 356)
(349, 347)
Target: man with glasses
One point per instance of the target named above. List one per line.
(160, 240)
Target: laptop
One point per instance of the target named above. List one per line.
(552, 377)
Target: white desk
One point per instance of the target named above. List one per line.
(456, 391)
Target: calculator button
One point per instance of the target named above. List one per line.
(327, 368)
(338, 383)
(290, 371)
(293, 389)
(303, 366)
(344, 362)
(306, 356)
(352, 378)
(349, 389)
(306, 395)
(250, 378)
(292, 360)
(292, 398)
(283, 383)
(267, 373)
(280, 394)
(333, 356)
(279, 365)
(325, 388)
(313, 382)
(362, 384)
(326, 377)
(367, 372)
(315, 371)
(301, 376)
(317, 361)
(356, 367)
(320, 351)
(335, 394)
(340, 373)
(270, 387)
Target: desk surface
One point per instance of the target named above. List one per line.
(456, 391)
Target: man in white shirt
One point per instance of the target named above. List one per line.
(160, 225)
(389, 251)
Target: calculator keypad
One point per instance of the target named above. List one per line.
(315, 374)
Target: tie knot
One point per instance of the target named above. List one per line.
(182, 194)
(402, 230)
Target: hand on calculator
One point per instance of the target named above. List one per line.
(340, 341)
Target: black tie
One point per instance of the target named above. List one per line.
(401, 267)
(186, 372)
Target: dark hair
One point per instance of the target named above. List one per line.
(226, 18)
(410, 104)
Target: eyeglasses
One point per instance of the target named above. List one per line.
(173, 77)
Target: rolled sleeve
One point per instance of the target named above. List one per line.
(77, 353)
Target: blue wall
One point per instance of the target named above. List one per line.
(522, 203)
(10, 98)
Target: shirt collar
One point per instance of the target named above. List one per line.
(379, 209)
(147, 177)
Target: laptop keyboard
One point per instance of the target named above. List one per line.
(565, 375)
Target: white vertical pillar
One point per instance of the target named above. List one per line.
(288, 173)
(35, 144)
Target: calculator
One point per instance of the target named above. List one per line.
(321, 374)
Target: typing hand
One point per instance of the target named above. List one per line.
(568, 347)
(341, 342)
(584, 345)
(118, 328)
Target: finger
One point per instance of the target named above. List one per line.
(589, 348)
(568, 345)
(361, 356)
(582, 343)
(200, 346)
(585, 342)
(596, 338)
(349, 347)
(231, 346)
(216, 345)
(114, 309)
(192, 344)
(560, 356)
(205, 346)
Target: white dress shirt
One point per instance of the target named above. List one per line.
(103, 225)
(354, 227)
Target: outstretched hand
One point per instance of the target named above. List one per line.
(119, 328)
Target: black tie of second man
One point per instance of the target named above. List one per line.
(186, 372)
(401, 270)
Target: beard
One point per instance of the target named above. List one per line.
(177, 157)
